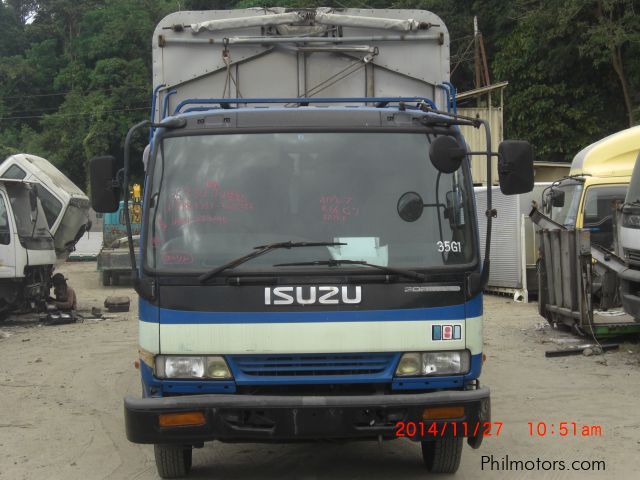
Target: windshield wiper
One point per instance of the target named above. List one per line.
(334, 263)
(261, 250)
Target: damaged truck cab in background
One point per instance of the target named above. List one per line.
(40, 234)
(587, 253)
(27, 254)
(309, 258)
(66, 207)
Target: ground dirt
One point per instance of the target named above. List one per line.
(61, 413)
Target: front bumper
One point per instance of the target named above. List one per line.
(295, 418)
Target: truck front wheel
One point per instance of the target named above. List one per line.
(442, 455)
(172, 461)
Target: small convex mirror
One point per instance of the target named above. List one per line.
(410, 206)
(446, 154)
(557, 197)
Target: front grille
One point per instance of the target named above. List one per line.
(312, 365)
(632, 256)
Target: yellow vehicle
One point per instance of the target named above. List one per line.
(598, 180)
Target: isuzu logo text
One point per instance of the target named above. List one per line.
(310, 295)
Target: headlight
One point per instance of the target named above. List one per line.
(630, 221)
(190, 367)
(409, 365)
(433, 363)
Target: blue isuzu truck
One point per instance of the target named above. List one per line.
(310, 262)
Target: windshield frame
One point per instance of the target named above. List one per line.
(36, 235)
(577, 186)
(473, 265)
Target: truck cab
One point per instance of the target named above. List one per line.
(629, 232)
(66, 207)
(597, 183)
(27, 254)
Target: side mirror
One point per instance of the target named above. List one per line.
(515, 167)
(557, 198)
(446, 154)
(105, 194)
(410, 206)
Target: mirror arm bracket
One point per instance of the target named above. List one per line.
(125, 188)
(477, 281)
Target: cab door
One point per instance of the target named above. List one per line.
(598, 210)
(7, 241)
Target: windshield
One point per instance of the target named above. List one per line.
(633, 195)
(568, 213)
(27, 210)
(214, 198)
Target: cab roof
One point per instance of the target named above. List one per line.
(612, 156)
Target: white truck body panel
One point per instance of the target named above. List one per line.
(14, 258)
(380, 53)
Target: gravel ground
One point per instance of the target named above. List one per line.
(61, 390)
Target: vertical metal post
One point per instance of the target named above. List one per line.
(302, 87)
(541, 278)
(583, 250)
(545, 241)
(237, 82)
(565, 265)
(369, 90)
(556, 266)
(574, 271)
(523, 257)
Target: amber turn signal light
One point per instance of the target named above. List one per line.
(435, 413)
(182, 419)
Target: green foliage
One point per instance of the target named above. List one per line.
(80, 82)
(559, 98)
(12, 38)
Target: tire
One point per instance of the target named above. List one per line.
(115, 279)
(106, 278)
(173, 462)
(442, 455)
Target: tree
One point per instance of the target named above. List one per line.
(557, 98)
(611, 36)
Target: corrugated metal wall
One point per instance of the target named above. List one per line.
(476, 139)
(506, 264)
(506, 241)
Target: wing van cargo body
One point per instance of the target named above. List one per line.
(309, 255)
